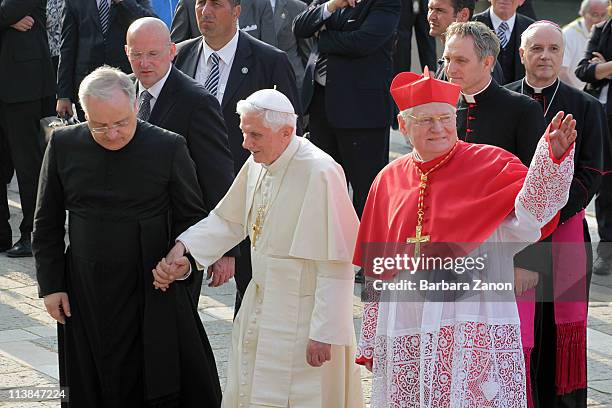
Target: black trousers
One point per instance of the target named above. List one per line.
(603, 206)
(362, 153)
(20, 124)
(426, 44)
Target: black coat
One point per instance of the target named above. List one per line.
(256, 66)
(358, 43)
(26, 72)
(184, 22)
(520, 24)
(125, 342)
(504, 119)
(186, 108)
(83, 46)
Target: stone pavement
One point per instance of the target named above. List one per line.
(28, 344)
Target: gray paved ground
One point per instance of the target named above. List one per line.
(28, 345)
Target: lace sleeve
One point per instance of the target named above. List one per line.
(365, 346)
(547, 185)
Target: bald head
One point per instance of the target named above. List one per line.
(149, 50)
(542, 53)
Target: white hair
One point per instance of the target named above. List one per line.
(272, 119)
(587, 4)
(103, 83)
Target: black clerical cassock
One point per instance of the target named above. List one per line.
(550, 351)
(126, 343)
(499, 117)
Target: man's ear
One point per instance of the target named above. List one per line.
(463, 15)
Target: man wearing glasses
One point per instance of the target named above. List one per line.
(130, 188)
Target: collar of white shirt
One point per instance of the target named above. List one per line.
(226, 53)
(156, 88)
(497, 21)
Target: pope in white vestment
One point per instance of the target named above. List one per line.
(303, 227)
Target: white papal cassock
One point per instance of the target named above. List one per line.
(302, 286)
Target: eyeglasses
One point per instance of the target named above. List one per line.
(428, 121)
(102, 130)
(152, 55)
(597, 15)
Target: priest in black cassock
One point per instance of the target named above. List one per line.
(487, 113)
(557, 330)
(129, 188)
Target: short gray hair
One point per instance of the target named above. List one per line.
(103, 82)
(485, 40)
(272, 119)
(586, 4)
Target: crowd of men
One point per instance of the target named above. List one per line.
(190, 165)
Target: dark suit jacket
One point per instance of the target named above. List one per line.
(520, 24)
(83, 46)
(276, 28)
(26, 72)
(184, 22)
(359, 45)
(256, 66)
(186, 108)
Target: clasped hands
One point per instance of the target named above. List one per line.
(176, 265)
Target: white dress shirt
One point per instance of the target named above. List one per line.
(497, 21)
(154, 90)
(226, 58)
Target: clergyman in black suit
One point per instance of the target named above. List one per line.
(93, 34)
(27, 88)
(503, 19)
(346, 84)
(173, 101)
(232, 65)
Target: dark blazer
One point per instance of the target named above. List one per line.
(184, 22)
(359, 46)
(256, 66)
(83, 46)
(26, 72)
(520, 24)
(276, 28)
(186, 108)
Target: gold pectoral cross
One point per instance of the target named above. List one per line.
(258, 225)
(417, 240)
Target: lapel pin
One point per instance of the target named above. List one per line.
(283, 16)
(245, 70)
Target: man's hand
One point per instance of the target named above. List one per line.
(24, 24)
(222, 271)
(63, 107)
(165, 273)
(333, 5)
(58, 306)
(562, 133)
(317, 353)
(524, 280)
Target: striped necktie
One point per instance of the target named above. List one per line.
(104, 11)
(212, 82)
(502, 31)
(321, 68)
(144, 109)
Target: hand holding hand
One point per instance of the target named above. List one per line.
(562, 133)
(24, 24)
(58, 306)
(317, 353)
(165, 273)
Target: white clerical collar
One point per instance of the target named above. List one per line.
(225, 53)
(285, 157)
(156, 88)
(540, 89)
(496, 21)
(470, 98)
